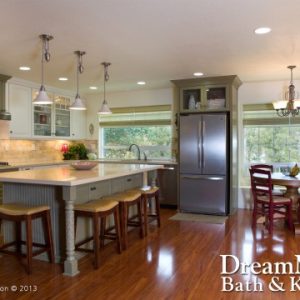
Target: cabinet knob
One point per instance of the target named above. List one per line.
(93, 188)
(11, 131)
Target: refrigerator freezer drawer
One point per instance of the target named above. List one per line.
(203, 194)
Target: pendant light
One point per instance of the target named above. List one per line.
(78, 104)
(104, 110)
(42, 97)
(291, 105)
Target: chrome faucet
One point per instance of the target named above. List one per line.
(145, 156)
(138, 150)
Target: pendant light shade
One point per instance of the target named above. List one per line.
(104, 109)
(78, 103)
(42, 97)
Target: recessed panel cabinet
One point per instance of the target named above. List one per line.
(20, 106)
(78, 124)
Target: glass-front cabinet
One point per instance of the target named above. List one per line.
(202, 98)
(62, 116)
(52, 119)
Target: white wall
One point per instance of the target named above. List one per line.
(124, 99)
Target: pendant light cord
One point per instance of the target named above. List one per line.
(104, 91)
(79, 69)
(43, 60)
(106, 77)
(77, 78)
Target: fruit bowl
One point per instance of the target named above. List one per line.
(84, 165)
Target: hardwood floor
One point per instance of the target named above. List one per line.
(181, 260)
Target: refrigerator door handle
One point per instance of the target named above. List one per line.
(200, 145)
(201, 177)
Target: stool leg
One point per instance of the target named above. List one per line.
(123, 221)
(140, 216)
(18, 237)
(117, 228)
(157, 207)
(145, 204)
(102, 231)
(96, 229)
(48, 235)
(29, 243)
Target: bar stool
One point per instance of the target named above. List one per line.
(98, 210)
(126, 200)
(18, 213)
(147, 196)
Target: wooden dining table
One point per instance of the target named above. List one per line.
(292, 185)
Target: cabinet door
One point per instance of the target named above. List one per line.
(52, 119)
(42, 117)
(216, 97)
(191, 99)
(62, 116)
(19, 102)
(78, 124)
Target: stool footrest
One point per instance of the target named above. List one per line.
(84, 249)
(43, 248)
(77, 245)
(133, 217)
(134, 223)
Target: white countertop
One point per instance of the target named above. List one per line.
(136, 161)
(67, 176)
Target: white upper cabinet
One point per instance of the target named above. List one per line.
(53, 121)
(78, 124)
(20, 106)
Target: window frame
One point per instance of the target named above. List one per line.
(136, 122)
(268, 119)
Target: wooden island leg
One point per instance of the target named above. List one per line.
(71, 263)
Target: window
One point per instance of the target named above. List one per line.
(148, 127)
(269, 138)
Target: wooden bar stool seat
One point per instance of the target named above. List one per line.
(18, 213)
(98, 210)
(148, 210)
(127, 199)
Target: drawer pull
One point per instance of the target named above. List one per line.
(93, 188)
(129, 179)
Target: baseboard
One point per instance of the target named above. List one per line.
(173, 206)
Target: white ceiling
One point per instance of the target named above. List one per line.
(151, 40)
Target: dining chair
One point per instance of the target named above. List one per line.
(265, 203)
(275, 191)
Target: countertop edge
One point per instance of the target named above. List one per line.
(74, 182)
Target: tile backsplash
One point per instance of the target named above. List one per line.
(36, 151)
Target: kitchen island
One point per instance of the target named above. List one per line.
(60, 187)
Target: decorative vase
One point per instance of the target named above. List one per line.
(192, 102)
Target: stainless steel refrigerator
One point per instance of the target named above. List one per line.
(204, 163)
